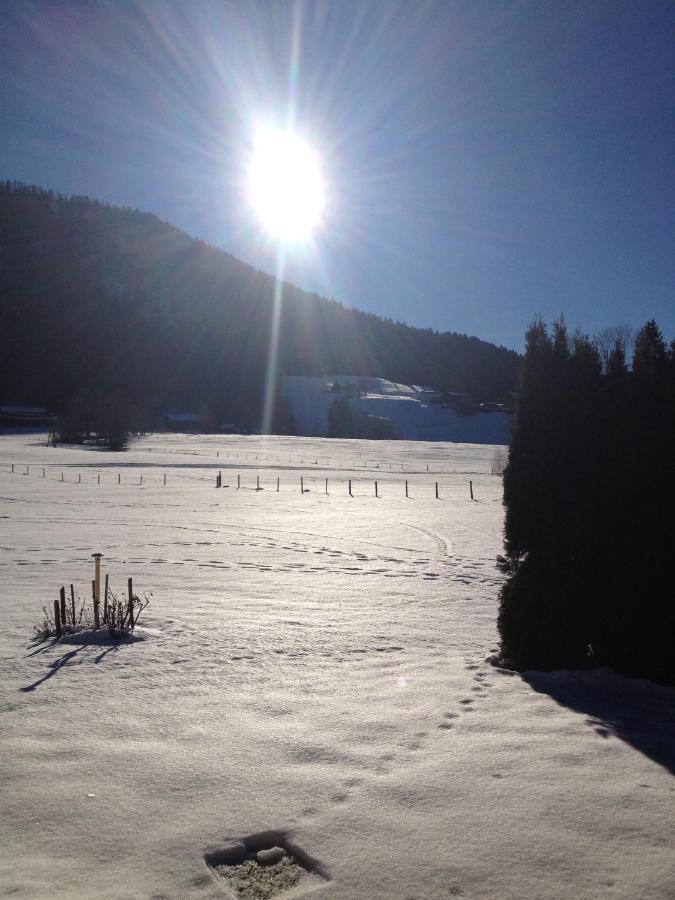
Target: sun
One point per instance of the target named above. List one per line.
(285, 186)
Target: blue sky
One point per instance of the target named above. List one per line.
(486, 161)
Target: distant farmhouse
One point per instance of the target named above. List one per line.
(15, 415)
(367, 407)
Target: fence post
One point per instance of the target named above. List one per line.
(302, 485)
(376, 489)
(437, 490)
(471, 489)
(165, 479)
(140, 480)
(61, 476)
(277, 484)
(62, 594)
(12, 468)
(350, 488)
(57, 618)
(79, 478)
(257, 482)
(406, 488)
(326, 485)
(119, 478)
(43, 471)
(131, 603)
(97, 621)
(238, 481)
(105, 601)
(72, 603)
(99, 477)
(27, 470)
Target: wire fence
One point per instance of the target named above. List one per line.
(388, 486)
(249, 458)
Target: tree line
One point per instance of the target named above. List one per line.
(589, 495)
(96, 295)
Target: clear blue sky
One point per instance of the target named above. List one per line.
(486, 161)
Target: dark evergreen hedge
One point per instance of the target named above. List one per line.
(589, 492)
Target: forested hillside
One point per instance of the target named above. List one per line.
(99, 295)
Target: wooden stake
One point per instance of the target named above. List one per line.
(79, 478)
(326, 485)
(257, 482)
(130, 589)
(277, 485)
(350, 488)
(72, 602)
(57, 618)
(471, 489)
(238, 481)
(97, 621)
(302, 485)
(141, 479)
(376, 489)
(165, 479)
(119, 478)
(105, 601)
(99, 478)
(437, 490)
(63, 605)
(406, 488)
(61, 476)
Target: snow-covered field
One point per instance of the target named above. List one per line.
(312, 664)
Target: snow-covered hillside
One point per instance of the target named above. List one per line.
(408, 407)
(313, 665)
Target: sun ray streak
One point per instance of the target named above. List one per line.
(273, 354)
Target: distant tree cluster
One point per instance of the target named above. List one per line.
(96, 294)
(590, 507)
(105, 417)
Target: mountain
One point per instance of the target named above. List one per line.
(97, 295)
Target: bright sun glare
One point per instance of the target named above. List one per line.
(286, 188)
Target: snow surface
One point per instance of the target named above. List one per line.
(408, 407)
(314, 665)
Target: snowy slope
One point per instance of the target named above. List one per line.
(408, 407)
(313, 664)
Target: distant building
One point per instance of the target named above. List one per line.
(184, 422)
(13, 414)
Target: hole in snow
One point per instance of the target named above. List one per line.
(265, 865)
